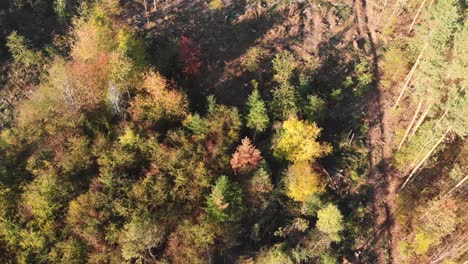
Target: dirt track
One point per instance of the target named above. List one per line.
(382, 177)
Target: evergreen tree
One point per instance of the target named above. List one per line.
(225, 201)
(257, 117)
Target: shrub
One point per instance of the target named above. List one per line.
(364, 76)
(284, 64)
(422, 242)
(252, 59)
(216, 4)
(314, 110)
(284, 102)
(394, 66)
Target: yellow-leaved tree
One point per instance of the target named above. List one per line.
(302, 181)
(296, 142)
(156, 100)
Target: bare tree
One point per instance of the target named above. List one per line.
(115, 98)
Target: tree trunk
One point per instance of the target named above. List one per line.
(416, 16)
(420, 121)
(458, 185)
(410, 125)
(455, 249)
(424, 159)
(416, 158)
(408, 78)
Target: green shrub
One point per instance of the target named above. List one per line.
(315, 108)
(284, 65)
(284, 102)
(422, 242)
(253, 56)
(19, 49)
(275, 254)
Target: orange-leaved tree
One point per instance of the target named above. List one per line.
(246, 157)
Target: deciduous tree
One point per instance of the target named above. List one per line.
(297, 141)
(302, 181)
(330, 221)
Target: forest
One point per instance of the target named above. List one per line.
(233, 131)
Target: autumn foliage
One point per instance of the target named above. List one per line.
(246, 157)
(156, 100)
(190, 54)
(302, 181)
(297, 141)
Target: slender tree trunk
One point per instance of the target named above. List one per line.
(351, 140)
(408, 78)
(421, 150)
(410, 125)
(424, 159)
(420, 121)
(416, 16)
(413, 69)
(458, 185)
(463, 247)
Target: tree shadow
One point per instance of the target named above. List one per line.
(222, 37)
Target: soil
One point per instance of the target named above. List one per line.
(384, 179)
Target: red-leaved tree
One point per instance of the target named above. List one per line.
(190, 54)
(246, 157)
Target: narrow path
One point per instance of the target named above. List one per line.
(382, 178)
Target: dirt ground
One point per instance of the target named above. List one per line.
(310, 31)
